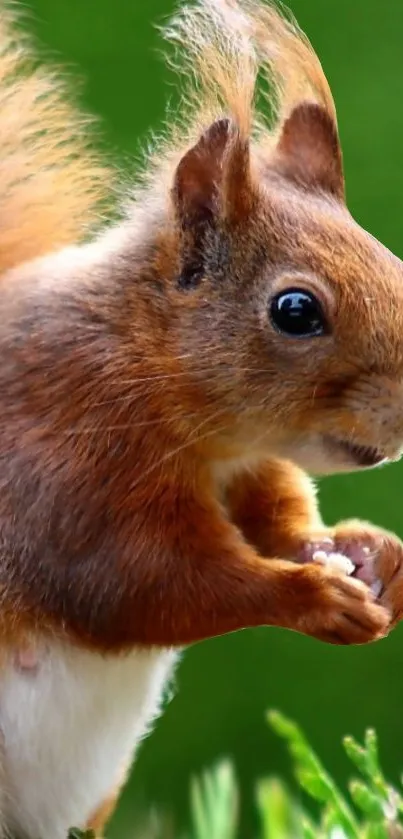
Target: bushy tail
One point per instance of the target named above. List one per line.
(51, 183)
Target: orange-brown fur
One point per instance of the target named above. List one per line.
(155, 427)
(102, 815)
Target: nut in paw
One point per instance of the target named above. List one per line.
(375, 554)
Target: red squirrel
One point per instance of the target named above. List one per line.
(167, 384)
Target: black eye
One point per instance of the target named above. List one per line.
(297, 313)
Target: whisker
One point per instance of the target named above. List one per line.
(169, 455)
(158, 377)
(125, 426)
(146, 423)
(206, 421)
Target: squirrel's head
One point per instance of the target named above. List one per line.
(296, 312)
(291, 321)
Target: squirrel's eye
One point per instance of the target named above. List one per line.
(297, 313)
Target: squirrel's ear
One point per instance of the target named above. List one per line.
(308, 151)
(213, 178)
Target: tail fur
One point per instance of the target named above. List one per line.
(51, 183)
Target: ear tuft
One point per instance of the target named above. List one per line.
(212, 180)
(199, 173)
(308, 151)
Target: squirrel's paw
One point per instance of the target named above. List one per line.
(339, 609)
(366, 553)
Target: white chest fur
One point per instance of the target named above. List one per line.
(68, 729)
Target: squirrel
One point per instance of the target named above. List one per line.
(168, 382)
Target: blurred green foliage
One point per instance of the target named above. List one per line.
(373, 810)
(224, 686)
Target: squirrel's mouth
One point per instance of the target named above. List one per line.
(364, 456)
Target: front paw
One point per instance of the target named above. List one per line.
(339, 609)
(370, 554)
(378, 559)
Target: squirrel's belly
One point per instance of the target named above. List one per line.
(69, 726)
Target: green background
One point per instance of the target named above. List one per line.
(225, 686)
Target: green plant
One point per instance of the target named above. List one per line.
(373, 809)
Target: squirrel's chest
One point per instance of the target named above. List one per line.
(68, 729)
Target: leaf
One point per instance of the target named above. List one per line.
(214, 804)
(75, 833)
(312, 775)
(367, 801)
(371, 746)
(357, 755)
(314, 784)
(376, 831)
(366, 759)
(280, 816)
(309, 830)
